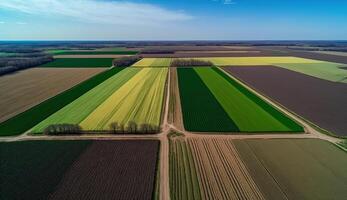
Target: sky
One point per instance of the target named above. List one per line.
(173, 20)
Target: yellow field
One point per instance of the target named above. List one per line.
(139, 100)
(220, 61)
(153, 62)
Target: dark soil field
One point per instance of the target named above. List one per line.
(32, 170)
(78, 169)
(112, 170)
(319, 101)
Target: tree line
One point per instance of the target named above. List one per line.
(9, 65)
(114, 127)
(190, 63)
(125, 61)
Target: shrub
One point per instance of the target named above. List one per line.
(62, 129)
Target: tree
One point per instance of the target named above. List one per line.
(114, 127)
(132, 127)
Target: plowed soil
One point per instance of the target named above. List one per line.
(22, 90)
(319, 101)
(112, 170)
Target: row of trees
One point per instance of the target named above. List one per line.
(190, 63)
(133, 128)
(63, 129)
(9, 65)
(125, 61)
(116, 128)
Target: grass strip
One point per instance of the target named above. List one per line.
(79, 62)
(201, 110)
(28, 119)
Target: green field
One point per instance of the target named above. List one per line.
(133, 94)
(219, 94)
(296, 169)
(139, 100)
(25, 121)
(326, 70)
(95, 53)
(201, 110)
(153, 62)
(80, 108)
(33, 169)
(79, 62)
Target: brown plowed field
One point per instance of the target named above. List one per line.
(24, 89)
(319, 101)
(112, 170)
(209, 169)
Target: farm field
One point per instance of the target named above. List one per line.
(209, 169)
(153, 62)
(78, 63)
(317, 171)
(96, 53)
(24, 121)
(222, 168)
(79, 109)
(63, 169)
(139, 100)
(327, 71)
(268, 60)
(325, 98)
(246, 112)
(119, 170)
(25, 89)
(335, 53)
(36, 167)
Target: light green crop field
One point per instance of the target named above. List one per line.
(80, 108)
(153, 62)
(296, 168)
(249, 113)
(335, 53)
(227, 61)
(139, 100)
(326, 70)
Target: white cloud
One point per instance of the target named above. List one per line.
(229, 2)
(1, 22)
(108, 12)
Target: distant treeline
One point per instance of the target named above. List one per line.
(125, 61)
(190, 63)
(9, 65)
(157, 51)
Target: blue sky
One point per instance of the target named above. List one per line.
(173, 20)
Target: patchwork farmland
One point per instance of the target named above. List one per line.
(218, 168)
(228, 100)
(132, 95)
(33, 86)
(254, 122)
(60, 169)
(324, 97)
